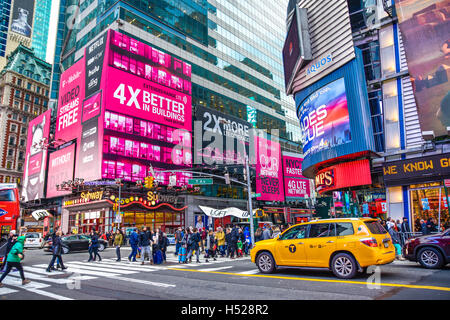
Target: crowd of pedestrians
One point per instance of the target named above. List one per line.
(232, 242)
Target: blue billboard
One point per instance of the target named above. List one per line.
(334, 116)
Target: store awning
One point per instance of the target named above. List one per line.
(40, 214)
(220, 213)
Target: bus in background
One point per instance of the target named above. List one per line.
(9, 208)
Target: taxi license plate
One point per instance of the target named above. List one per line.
(386, 243)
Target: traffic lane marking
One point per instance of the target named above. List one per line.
(151, 283)
(5, 291)
(398, 285)
(34, 287)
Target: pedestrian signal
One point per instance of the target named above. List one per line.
(149, 182)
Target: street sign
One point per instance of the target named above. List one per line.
(201, 181)
(256, 195)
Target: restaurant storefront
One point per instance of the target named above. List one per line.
(97, 211)
(417, 190)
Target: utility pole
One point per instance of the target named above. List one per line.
(119, 181)
(250, 207)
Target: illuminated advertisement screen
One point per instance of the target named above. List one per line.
(36, 157)
(22, 17)
(425, 28)
(60, 169)
(269, 182)
(324, 118)
(225, 139)
(291, 50)
(148, 112)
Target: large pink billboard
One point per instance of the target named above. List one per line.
(269, 181)
(71, 95)
(36, 157)
(130, 94)
(60, 169)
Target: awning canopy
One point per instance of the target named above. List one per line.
(40, 214)
(220, 213)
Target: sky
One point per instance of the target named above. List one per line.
(52, 31)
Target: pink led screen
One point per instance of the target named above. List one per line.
(295, 184)
(36, 157)
(269, 170)
(60, 169)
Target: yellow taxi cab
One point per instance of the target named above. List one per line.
(344, 245)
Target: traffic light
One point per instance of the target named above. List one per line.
(259, 213)
(149, 182)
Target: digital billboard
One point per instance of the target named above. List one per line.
(269, 173)
(223, 139)
(60, 169)
(324, 118)
(22, 17)
(334, 116)
(425, 27)
(36, 157)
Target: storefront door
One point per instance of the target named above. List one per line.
(428, 201)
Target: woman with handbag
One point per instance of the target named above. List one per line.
(13, 259)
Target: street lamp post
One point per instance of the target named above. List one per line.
(119, 181)
(250, 206)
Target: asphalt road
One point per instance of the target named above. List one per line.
(224, 279)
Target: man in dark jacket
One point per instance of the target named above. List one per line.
(134, 243)
(228, 241)
(145, 241)
(94, 247)
(234, 241)
(57, 248)
(163, 243)
(9, 244)
(178, 239)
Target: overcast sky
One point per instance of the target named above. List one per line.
(52, 31)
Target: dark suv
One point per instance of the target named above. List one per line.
(431, 251)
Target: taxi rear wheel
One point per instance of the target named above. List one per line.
(265, 263)
(344, 266)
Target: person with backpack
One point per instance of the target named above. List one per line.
(134, 243)
(193, 245)
(247, 241)
(93, 254)
(118, 241)
(15, 255)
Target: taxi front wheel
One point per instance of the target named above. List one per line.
(344, 266)
(265, 263)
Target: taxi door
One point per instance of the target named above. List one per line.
(320, 244)
(290, 247)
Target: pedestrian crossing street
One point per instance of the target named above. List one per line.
(78, 271)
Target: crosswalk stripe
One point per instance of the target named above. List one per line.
(216, 269)
(118, 265)
(82, 265)
(5, 291)
(150, 283)
(12, 281)
(41, 269)
(32, 276)
(250, 272)
(49, 294)
(89, 272)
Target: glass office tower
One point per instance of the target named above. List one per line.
(234, 48)
(41, 25)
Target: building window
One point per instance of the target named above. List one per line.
(23, 131)
(14, 116)
(29, 86)
(22, 141)
(19, 82)
(26, 108)
(10, 152)
(21, 155)
(12, 141)
(13, 127)
(8, 166)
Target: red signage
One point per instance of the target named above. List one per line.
(344, 175)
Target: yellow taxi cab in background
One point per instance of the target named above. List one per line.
(344, 245)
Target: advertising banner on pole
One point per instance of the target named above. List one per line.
(269, 174)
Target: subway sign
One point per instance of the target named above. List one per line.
(417, 170)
